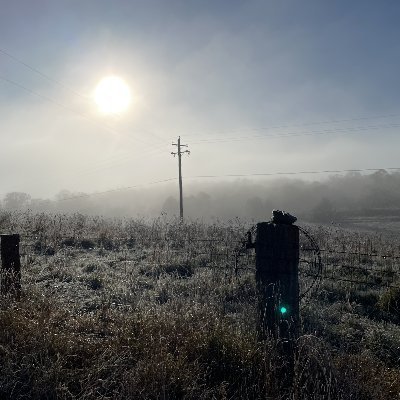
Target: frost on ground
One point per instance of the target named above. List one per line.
(154, 309)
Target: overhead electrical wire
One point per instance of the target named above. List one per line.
(222, 140)
(57, 103)
(44, 97)
(333, 171)
(43, 75)
(113, 161)
(94, 169)
(117, 189)
(56, 82)
(117, 159)
(343, 131)
(231, 176)
(138, 155)
(251, 129)
(290, 134)
(121, 159)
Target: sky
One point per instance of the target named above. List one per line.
(252, 87)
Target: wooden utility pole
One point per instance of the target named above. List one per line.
(10, 266)
(179, 154)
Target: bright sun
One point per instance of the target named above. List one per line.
(112, 95)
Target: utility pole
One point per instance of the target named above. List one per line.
(179, 154)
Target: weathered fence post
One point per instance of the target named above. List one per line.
(10, 265)
(277, 259)
(277, 266)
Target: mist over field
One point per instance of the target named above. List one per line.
(332, 199)
(142, 145)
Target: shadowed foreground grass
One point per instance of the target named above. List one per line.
(134, 310)
(48, 353)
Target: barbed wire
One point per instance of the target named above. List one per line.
(359, 282)
(222, 254)
(359, 254)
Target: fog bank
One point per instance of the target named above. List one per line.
(331, 199)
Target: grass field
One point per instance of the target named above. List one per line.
(137, 309)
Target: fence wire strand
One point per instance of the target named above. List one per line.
(316, 263)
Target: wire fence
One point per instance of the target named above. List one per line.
(361, 267)
(210, 253)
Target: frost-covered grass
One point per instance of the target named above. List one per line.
(113, 313)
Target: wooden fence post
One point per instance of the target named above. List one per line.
(10, 265)
(277, 260)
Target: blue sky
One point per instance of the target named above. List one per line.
(205, 70)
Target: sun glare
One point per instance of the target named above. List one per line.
(112, 95)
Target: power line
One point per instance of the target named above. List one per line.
(106, 163)
(49, 99)
(333, 121)
(55, 81)
(117, 160)
(232, 176)
(120, 159)
(116, 189)
(293, 173)
(222, 140)
(94, 168)
(343, 131)
(48, 78)
(57, 103)
(61, 105)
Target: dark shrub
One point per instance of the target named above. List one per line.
(89, 268)
(180, 270)
(87, 244)
(130, 243)
(69, 242)
(177, 270)
(50, 251)
(95, 283)
(107, 244)
(40, 248)
(390, 303)
(367, 299)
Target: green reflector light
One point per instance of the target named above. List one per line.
(283, 310)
